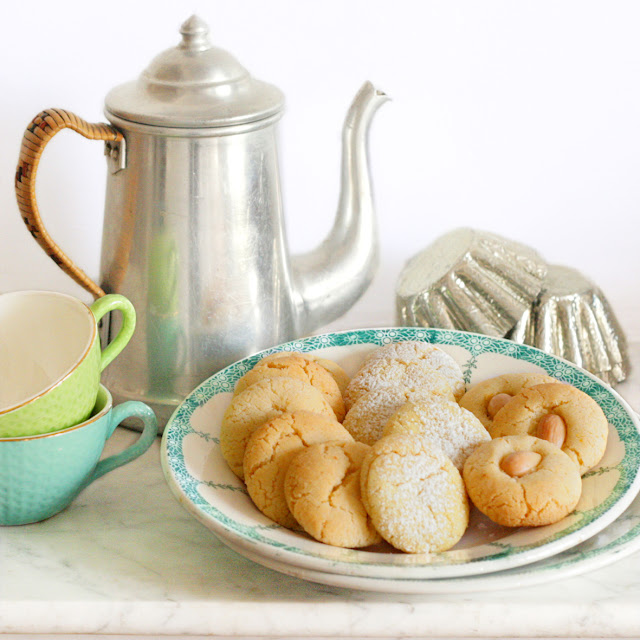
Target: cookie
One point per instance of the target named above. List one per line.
(322, 488)
(301, 368)
(561, 414)
(367, 418)
(397, 375)
(413, 494)
(271, 448)
(454, 429)
(338, 373)
(486, 398)
(522, 481)
(413, 351)
(259, 403)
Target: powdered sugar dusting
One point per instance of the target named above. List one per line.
(455, 430)
(416, 495)
(367, 418)
(381, 374)
(410, 352)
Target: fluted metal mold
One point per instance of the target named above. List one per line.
(470, 280)
(572, 319)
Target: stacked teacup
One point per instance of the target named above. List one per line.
(55, 416)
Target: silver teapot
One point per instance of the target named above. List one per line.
(193, 231)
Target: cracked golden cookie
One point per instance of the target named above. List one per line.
(271, 448)
(301, 368)
(410, 365)
(486, 398)
(454, 429)
(561, 414)
(322, 488)
(259, 403)
(522, 481)
(413, 494)
(339, 374)
(368, 416)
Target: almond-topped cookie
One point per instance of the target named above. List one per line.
(486, 398)
(561, 414)
(522, 481)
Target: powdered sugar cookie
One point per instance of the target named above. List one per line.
(413, 351)
(322, 488)
(486, 398)
(301, 368)
(522, 481)
(259, 403)
(455, 430)
(394, 374)
(271, 448)
(414, 494)
(367, 418)
(561, 414)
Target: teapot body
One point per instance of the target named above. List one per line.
(193, 228)
(193, 236)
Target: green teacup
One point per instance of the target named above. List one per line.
(51, 359)
(40, 475)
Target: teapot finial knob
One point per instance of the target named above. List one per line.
(195, 33)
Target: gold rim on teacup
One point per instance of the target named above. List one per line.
(108, 405)
(52, 359)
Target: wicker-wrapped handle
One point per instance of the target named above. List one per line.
(42, 128)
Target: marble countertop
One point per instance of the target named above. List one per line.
(126, 559)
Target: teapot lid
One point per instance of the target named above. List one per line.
(194, 85)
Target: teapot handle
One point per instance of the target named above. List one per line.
(42, 128)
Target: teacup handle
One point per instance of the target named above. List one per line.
(112, 302)
(131, 409)
(42, 128)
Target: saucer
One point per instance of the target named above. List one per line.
(614, 543)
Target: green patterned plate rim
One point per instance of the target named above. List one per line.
(215, 504)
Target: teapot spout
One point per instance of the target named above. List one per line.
(330, 279)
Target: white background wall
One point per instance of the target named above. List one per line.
(518, 117)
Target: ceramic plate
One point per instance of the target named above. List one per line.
(206, 487)
(617, 541)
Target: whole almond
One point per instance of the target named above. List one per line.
(552, 428)
(497, 402)
(519, 463)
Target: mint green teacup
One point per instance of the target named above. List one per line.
(51, 359)
(40, 475)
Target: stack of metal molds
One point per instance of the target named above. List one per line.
(481, 282)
